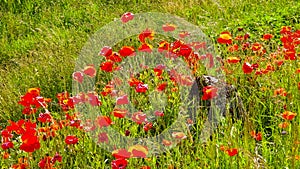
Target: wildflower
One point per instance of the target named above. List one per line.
(107, 66)
(247, 68)
(119, 113)
(78, 76)
(179, 135)
(141, 88)
(232, 151)
(256, 136)
(148, 33)
(103, 137)
(280, 91)
(127, 51)
(168, 27)
(166, 142)
(105, 51)
(267, 36)
(103, 121)
(287, 115)
(71, 139)
(114, 57)
(121, 153)
(119, 163)
(225, 38)
(256, 46)
(90, 71)
(139, 117)
(283, 125)
(122, 100)
(126, 17)
(147, 126)
(159, 113)
(162, 86)
(209, 92)
(138, 151)
(145, 48)
(233, 60)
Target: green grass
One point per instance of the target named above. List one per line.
(40, 41)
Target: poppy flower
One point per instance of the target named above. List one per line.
(121, 153)
(107, 90)
(114, 57)
(127, 51)
(56, 157)
(103, 121)
(78, 76)
(247, 68)
(45, 163)
(141, 88)
(107, 66)
(157, 71)
(44, 117)
(225, 38)
(7, 145)
(71, 139)
(133, 82)
(126, 17)
(166, 142)
(280, 91)
(103, 137)
(267, 36)
(119, 163)
(233, 60)
(285, 30)
(138, 151)
(90, 71)
(233, 48)
(159, 113)
(162, 86)
(179, 135)
(232, 151)
(209, 92)
(163, 46)
(287, 115)
(122, 100)
(168, 27)
(119, 113)
(283, 125)
(148, 33)
(256, 46)
(106, 51)
(184, 34)
(139, 117)
(256, 136)
(147, 126)
(145, 48)
(93, 99)
(30, 142)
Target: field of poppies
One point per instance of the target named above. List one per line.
(50, 119)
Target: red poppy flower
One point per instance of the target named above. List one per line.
(121, 153)
(127, 51)
(267, 36)
(145, 48)
(168, 27)
(225, 38)
(93, 99)
(103, 137)
(133, 82)
(285, 30)
(233, 60)
(103, 121)
(287, 115)
(119, 113)
(232, 151)
(184, 34)
(71, 139)
(107, 66)
(7, 145)
(141, 88)
(256, 46)
(114, 57)
(233, 48)
(162, 86)
(159, 113)
(44, 117)
(158, 71)
(290, 54)
(105, 51)
(163, 46)
(256, 136)
(122, 100)
(30, 142)
(107, 90)
(126, 17)
(247, 68)
(148, 33)
(78, 76)
(90, 71)
(119, 163)
(209, 92)
(138, 151)
(46, 163)
(147, 126)
(139, 117)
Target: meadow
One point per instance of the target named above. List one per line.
(256, 47)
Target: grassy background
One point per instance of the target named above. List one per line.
(40, 41)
